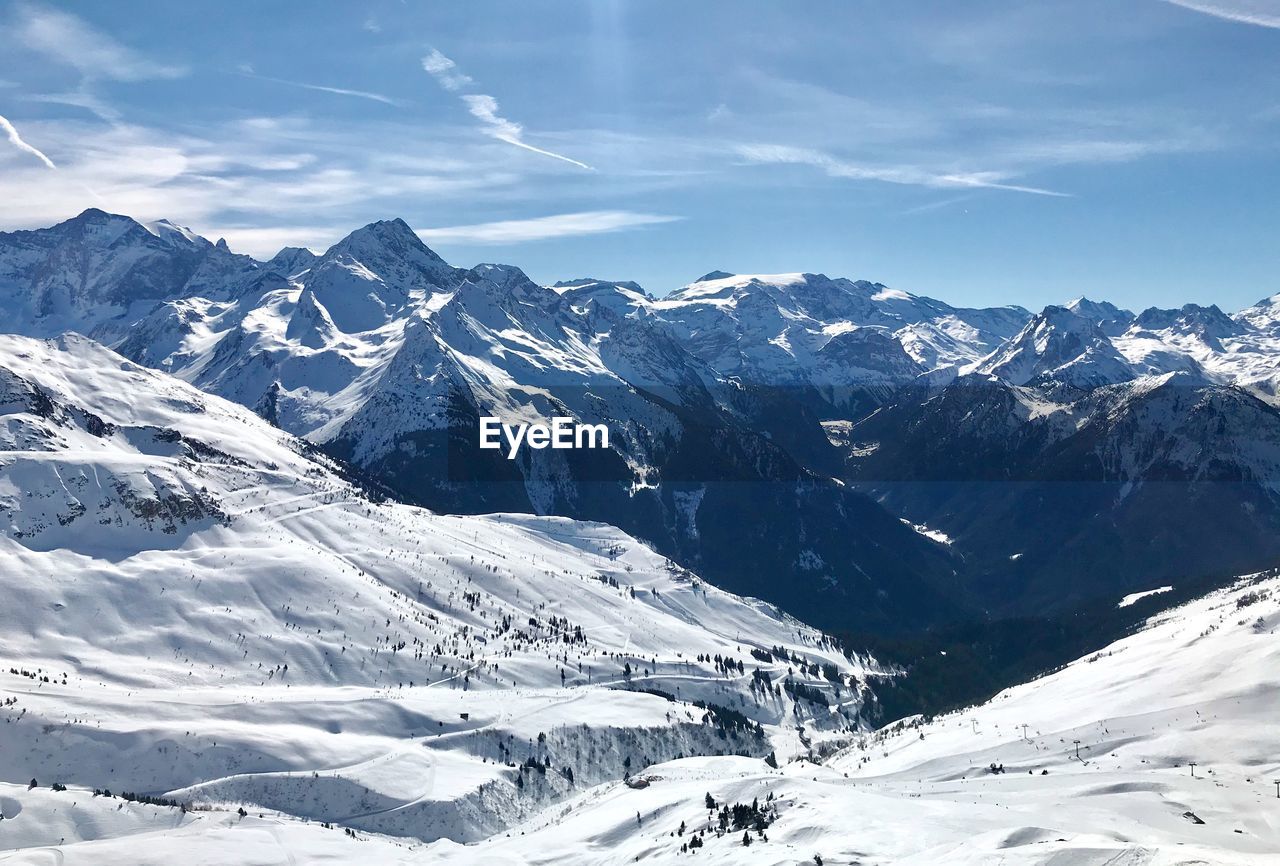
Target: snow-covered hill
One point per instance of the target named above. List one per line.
(1156, 749)
(1091, 765)
(198, 606)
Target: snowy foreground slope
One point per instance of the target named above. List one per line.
(1200, 683)
(197, 608)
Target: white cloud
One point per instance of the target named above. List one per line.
(261, 172)
(485, 108)
(898, 174)
(263, 243)
(16, 141)
(79, 99)
(1263, 13)
(445, 71)
(68, 39)
(542, 228)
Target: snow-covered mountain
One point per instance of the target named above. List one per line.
(851, 343)
(200, 607)
(103, 271)
(387, 357)
(1055, 496)
(1058, 346)
(1090, 343)
(1113, 320)
(723, 398)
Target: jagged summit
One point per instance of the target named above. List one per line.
(1058, 345)
(1208, 321)
(586, 282)
(1111, 319)
(291, 261)
(385, 237)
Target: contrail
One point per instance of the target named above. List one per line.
(340, 91)
(22, 145)
(518, 143)
(485, 108)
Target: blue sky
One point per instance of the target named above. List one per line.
(979, 152)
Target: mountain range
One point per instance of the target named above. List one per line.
(827, 444)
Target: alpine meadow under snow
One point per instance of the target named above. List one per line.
(265, 601)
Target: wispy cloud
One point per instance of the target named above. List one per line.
(898, 174)
(264, 242)
(68, 39)
(340, 91)
(16, 141)
(485, 108)
(445, 71)
(1262, 13)
(78, 99)
(542, 228)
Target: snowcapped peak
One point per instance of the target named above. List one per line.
(176, 234)
(97, 216)
(292, 261)
(1111, 319)
(1058, 345)
(620, 298)
(1061, 317)
(1085, 307)
(497, 274)
(731, 285)
(1264, 315)
(489, 287)
(385, 238)
(563, 286)
(373, 274)
(1207, 321)
(310, 323)
(97, 224)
